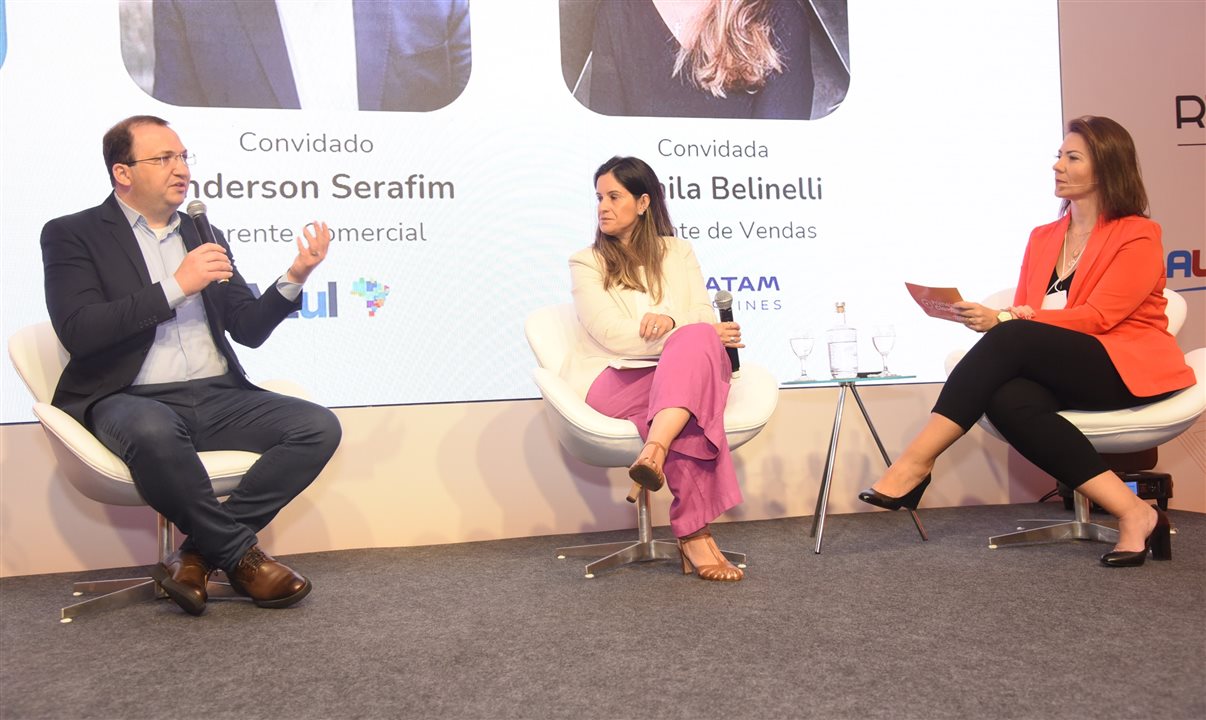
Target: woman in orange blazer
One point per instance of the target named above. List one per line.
(1091, 334)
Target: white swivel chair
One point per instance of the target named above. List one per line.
(96, 472)
(601, 441)
(1116, 434)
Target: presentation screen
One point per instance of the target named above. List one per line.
(451, 147)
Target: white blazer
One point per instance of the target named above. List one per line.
(609, 321)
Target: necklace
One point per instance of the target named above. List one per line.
(1076, 253)
(1080, 249)
(1070, 265)
(1069, 268)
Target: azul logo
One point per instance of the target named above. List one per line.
(1184, 263)
(314, 304)
(749, 293)
(372, 292)
(325, 303)
(320, 304)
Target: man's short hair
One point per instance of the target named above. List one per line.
(119, 141)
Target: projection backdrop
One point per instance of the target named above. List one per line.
(928, 162)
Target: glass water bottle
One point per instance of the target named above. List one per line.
(843, 346)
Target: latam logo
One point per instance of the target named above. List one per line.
(749, 292)
(316, 304)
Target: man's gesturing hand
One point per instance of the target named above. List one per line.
(310, 253)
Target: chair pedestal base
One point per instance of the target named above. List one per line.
(1078, 529)
(128, 591)
(644, 549)
(117, 594)
(1054, 533)
(621, 553)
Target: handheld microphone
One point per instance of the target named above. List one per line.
(724, 305)
(196, 211)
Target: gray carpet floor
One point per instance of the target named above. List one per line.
(880, 625)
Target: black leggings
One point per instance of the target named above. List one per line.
(1020, 374)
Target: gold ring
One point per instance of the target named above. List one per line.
(314, 253)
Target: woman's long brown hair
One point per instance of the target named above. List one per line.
(621, 265)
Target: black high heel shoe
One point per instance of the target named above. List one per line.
(909, 500)
(1158, 543)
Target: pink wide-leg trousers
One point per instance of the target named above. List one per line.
(693, 373)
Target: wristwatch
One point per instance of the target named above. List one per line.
(1004, 315)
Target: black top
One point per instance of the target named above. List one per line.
(1055, 285)
(633, 63)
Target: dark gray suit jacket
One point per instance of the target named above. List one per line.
(105, 309)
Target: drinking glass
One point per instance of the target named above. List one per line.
(883, 337)
(801, 345)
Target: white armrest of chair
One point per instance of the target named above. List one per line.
(562, 398)
(100, 475)
(97, 457)
(753, 397)
(602, 441)
(1121, 431)
(1131, 429)
(80, 443)
(585, 433)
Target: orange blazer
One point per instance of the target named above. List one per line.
(1116, 295)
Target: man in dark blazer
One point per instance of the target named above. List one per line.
(143, 305)
(413, 55)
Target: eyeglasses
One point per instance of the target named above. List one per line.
(165, 160)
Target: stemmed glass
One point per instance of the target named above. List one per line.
(883, 337)
(801, 345)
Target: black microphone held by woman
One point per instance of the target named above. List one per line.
(723, 300)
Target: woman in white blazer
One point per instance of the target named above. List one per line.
(649, 349)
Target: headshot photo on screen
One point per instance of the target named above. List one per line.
(743, 59)
(392, 55)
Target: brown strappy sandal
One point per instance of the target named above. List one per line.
(722, 570)
(647, 472)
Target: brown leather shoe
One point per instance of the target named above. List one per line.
(183, 576)
(271, 584)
